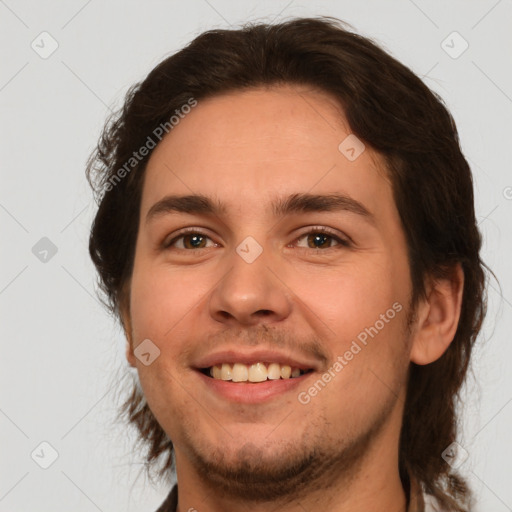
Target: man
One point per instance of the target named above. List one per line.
(286, 231)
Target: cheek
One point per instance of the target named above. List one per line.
(161, 299)
(348, 298)
(146, 305)
(362, 311)
(159, 305)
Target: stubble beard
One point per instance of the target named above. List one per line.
(296, 469)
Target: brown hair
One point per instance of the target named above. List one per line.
(391, 110)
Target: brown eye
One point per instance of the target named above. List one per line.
(322, 239)
(193, 241)
(319, 241)
(188, 241)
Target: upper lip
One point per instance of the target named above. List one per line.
(255, 356)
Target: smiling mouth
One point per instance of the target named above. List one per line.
(253, 373)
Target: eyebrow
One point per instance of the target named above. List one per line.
(197, 204)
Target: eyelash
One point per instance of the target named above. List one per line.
(322, 230)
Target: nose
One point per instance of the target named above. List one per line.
(250, 293)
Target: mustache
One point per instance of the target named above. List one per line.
(264, 336)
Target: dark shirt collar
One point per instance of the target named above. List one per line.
(171, 502)
(415, 498)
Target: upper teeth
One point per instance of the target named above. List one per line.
(257, 372)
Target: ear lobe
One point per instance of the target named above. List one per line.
(438, 318)
(130, 357)
(127, 328)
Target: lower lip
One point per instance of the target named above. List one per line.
(252, 392)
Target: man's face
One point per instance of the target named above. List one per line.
(306, 299)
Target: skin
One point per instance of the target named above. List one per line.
(340, 450)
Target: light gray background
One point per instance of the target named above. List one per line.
(61, 353)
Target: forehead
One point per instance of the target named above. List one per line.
(247, 146)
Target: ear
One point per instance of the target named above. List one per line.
(126, 321)
(438, 317)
